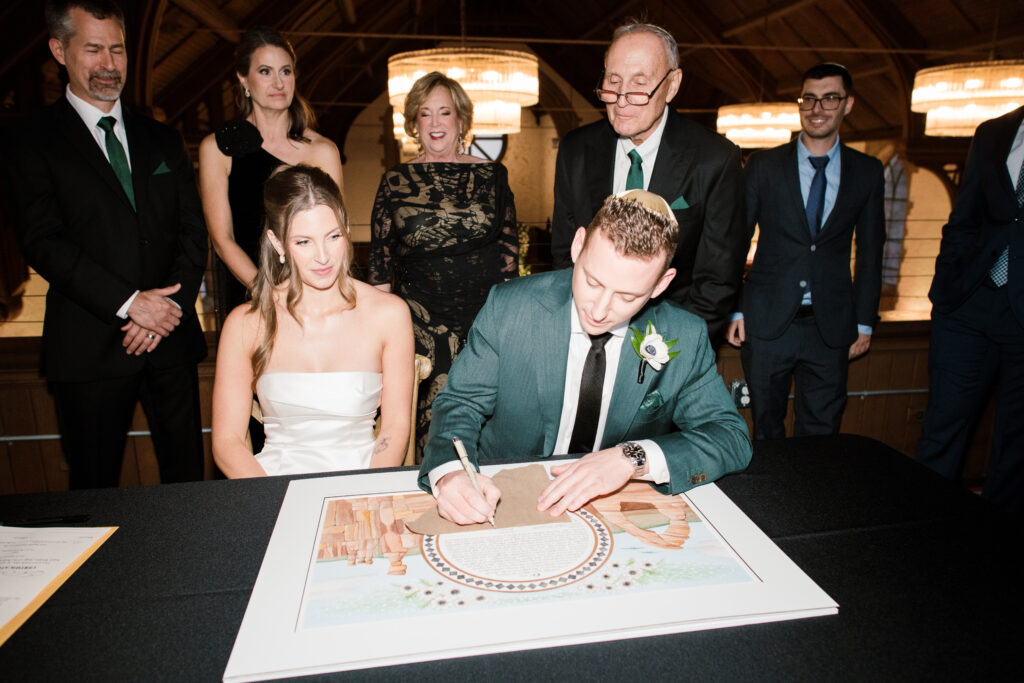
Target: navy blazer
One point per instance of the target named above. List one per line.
(78, 229)
(985, 219)
(787, 258)
(698, 173)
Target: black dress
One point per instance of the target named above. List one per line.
(251, 165)
(443, 234)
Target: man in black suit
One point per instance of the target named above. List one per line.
(106, 210)
(977, 330)
(802, 317)
(645, 144)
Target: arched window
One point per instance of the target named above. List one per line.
(895, 223)
(490, 147)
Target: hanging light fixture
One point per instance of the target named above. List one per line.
(499, 82)
(760, 124)
(957, 97)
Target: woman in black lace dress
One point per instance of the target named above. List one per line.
(274, 128)
(444, 231)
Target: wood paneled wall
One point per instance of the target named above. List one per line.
(897, 363)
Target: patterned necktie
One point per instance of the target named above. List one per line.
(1001, 268)
(118, 160)
(635, 177)
(588, 410)
(816, 196)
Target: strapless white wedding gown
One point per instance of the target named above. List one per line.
(318, 421)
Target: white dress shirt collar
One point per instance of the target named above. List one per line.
(91, 116)
(648, 150)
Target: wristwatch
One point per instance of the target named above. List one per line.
(636, 456)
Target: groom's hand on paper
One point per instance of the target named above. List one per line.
(459, 502)
(579, 482)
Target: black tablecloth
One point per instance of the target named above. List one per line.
(926, 576)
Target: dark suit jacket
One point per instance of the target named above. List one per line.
(694, 167)
(78, 230)
(985, 219)
(786, 256)
(505, 390)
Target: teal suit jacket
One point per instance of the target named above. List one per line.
(505, 390)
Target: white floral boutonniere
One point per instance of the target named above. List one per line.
(652, 349)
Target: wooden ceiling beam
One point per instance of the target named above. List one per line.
(211, 16)
(892, 29)
(14, 58)
(335, 52)
(753, 77)
(759, 19)
(791, 85)
(193, 83)
(347, 9)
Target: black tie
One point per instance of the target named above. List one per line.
(588, 410)
(816, 196)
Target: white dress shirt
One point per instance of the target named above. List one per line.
(648, 150)
(579, 346)
(833, 175)
(91, 116)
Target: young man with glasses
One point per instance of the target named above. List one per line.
(645, 144)
(803, 318)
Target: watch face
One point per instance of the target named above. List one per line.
(636, 455)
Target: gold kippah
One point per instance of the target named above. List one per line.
(648, 200)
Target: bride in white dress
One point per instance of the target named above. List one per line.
(321, 350)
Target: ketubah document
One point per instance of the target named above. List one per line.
(360, 572)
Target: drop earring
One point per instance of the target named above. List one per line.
(247, 93)
(280, 257)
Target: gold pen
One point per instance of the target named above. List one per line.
(461, 450)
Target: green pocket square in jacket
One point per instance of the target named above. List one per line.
(652, 402)
(679, 203)
(162, 168)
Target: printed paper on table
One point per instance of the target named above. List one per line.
(35, 562)
(345, 585)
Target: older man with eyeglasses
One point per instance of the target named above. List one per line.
(803, 318)
(645, 144)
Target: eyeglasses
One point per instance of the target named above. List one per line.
(828, 102)
(636, 98)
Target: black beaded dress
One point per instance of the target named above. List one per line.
(251, 165)
(442, 234)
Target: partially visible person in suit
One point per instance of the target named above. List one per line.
(977, 329)
(106, 210)
(549, 369)
(803, 318)
(645, 144)
(275, 127)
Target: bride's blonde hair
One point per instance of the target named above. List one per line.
(289, 190)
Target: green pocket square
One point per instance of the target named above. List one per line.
(162, 168)
(679, 203)
(652, 402)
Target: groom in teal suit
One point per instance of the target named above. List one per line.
(551, 367)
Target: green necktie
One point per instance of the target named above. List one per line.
(635, 177)
(118, 160)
